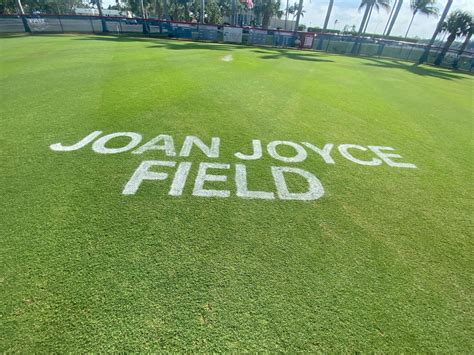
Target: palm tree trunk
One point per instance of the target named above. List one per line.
(101, 14)
(186, 13)
(328, 14)
(144, 16)
(364, 19)
(368, 18)
(394, 18)
(23, 18)
(298, 15)
(232, 17)
(203, 8)
(465, 43)
(441, 55)
(409, 26)
(266, 20)
(389, 17)
(286, 13)
(165, 10)
(424, 56)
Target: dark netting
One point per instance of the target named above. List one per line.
(11, 24)
(77, 24)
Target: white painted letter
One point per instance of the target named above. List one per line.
(212, 152)
(257, 151)
(142, 173)
(300, 152)
(315, 188)
(202, 177)
(167, 145)
(386, 157)
(58, 147)
(325, 153)
(180, 179)
(242, 190)
(99, 145)
(343, 150)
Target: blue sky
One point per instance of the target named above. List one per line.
(346, 13)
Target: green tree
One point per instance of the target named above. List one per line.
(266, 9)
(425, 7)
(369, 6)
(8, 7)
(213, 11)
(464, 45)
(98, 4)
(43, 6)
(424, 56)
(459, 24)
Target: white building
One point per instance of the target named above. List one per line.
(109, 13)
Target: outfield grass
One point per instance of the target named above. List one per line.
(383, 261)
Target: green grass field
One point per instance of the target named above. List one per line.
(382, 262)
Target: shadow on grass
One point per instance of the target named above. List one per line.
(180, 45)
(184, 45)
(13, 35)
(277, 53)
(446, 74)
(161, 42)
(271, 53)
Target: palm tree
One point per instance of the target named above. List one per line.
(424, 56)
(369, 5)
(299, 13)
(98, 3)
(266, 9)
(467, 40)
(459, 24)
(286, 13)
(328, 14)
(425, 7)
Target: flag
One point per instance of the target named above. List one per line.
(248, 3)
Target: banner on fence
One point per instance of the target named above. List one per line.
(11, 25)
(183, 30)
(207, 32)
(233, 34)
(37, 24)
(307, 40)
(257, 36)
(283, 39)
